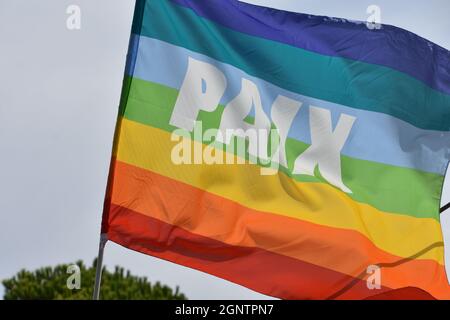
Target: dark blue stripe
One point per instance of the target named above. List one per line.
(390, 46)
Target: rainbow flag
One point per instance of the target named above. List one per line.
(297, 155)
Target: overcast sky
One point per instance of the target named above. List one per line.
(59, 92)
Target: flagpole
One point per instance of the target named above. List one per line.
(99, 268)
(445, 208)
(103, 236)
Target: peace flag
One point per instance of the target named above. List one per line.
(297, 155)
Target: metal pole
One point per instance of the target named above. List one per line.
(99, 269)
(445, 208)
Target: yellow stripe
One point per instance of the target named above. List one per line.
(150, 148)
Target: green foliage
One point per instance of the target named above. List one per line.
(51, 284)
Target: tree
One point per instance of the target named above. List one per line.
(55, 283)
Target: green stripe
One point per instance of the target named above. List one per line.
(388, 188)
(343, 81)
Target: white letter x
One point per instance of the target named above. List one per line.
(326, 146)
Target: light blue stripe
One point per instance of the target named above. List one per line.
(375, 136)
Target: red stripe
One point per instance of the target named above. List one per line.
(408, 293)
(260, 270)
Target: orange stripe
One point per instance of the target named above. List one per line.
(260, 270)
(208, 215)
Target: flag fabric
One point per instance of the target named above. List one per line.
(300, 156)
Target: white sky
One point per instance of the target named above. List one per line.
(59, 92)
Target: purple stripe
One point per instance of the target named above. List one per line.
(389, 46)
